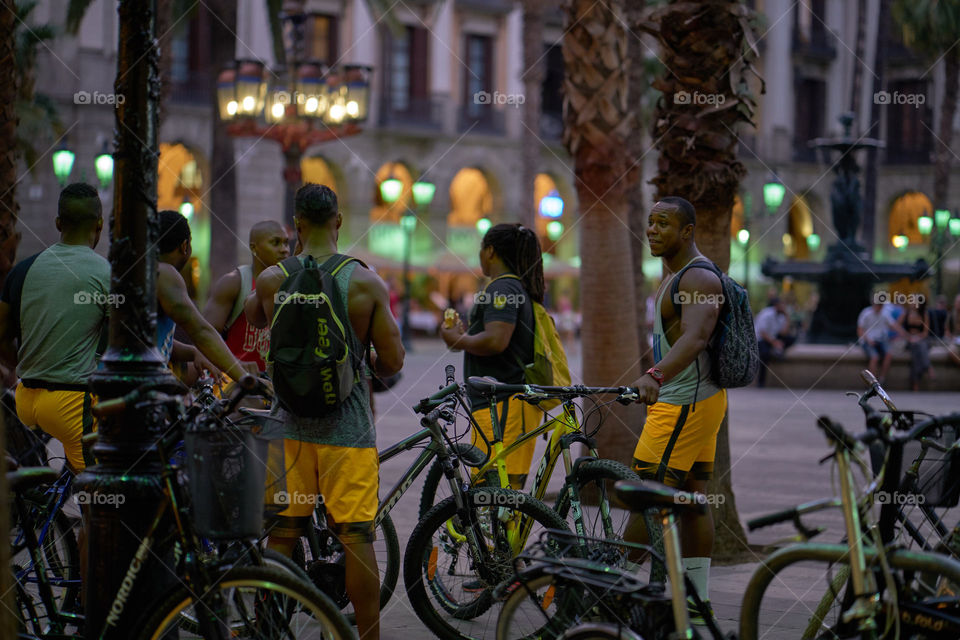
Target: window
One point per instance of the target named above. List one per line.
(811, 95)
(478, 74)
(909, 123)
(406, 67)
(322, 38)
(190, 74)
(551, 100)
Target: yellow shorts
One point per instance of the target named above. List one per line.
(521, 418)
(65, 415)
(348, 478)
(676, 440)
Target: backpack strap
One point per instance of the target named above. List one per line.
(699, 264)
(290, 265)
(246, 283)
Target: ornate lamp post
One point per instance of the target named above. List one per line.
(423, 193)
(303, 104)
(939, 228)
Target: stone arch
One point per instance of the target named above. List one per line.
(182, 178)
(320, 170)
(382, 211)
(799, 227)
(903, 213)
(471, 198)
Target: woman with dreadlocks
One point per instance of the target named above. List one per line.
(498, 341)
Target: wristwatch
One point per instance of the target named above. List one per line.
(656, 374)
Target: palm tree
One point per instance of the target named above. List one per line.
(9, 80)
(707, 49)
(532, 83)
(932, 28)
(597, 124)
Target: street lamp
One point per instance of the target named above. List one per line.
(63, 163)
(104, 165)
(900, 242)
(408, 221)
(939, 229)
(773, 192)
(813, 242)
(302, 104)
(554, 230)
(483, 225)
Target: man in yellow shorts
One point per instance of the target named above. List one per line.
(679, 438)
(54, 306)
(335, 455)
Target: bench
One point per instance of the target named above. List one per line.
(833, 366)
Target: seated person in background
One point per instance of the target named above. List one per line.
(938, 318)
(773, 335)
(873, 325)
(915, 321)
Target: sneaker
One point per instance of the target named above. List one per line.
(696, 617)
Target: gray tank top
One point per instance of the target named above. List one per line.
(352, 426)
(693, 383)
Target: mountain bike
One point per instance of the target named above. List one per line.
(878, 587)
(220, 602)
(596, 518)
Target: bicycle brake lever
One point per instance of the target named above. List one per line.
(826, 457)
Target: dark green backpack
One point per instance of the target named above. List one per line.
(315, 355)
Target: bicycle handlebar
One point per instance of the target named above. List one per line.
(792, 513)
(490, 387)
(151, 393)
(426, 404)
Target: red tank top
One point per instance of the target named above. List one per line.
(247, 342)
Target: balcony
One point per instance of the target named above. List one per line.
(817, 45)
(195, 88)
(421, 113)
(482, 119)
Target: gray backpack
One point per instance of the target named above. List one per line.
(734, 354)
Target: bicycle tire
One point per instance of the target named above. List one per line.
(833, 594)
(431, 482)
(422, 563)
(536, 586)
(595, 631)
(301, 608)
(59, 548)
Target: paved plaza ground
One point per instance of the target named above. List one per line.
(775, 448)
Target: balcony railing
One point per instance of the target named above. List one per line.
(816, 45)
(196, 88)
(422, 113)
(481, 119)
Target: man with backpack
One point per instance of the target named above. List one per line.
(268, 246)
(325, 310)
(678, 443)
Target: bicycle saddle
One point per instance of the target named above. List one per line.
(647, 494)
(29, 477)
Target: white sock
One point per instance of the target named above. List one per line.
(698, 569)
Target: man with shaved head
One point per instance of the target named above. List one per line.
(53, 312)
(268, 246)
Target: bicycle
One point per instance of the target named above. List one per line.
(886, 587)
(236, 601)
(571, 598)
(588, 474)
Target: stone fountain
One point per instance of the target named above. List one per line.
(847, 275)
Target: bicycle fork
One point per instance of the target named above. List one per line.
(867, 600)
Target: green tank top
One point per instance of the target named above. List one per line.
(694, 382)
(352, 426)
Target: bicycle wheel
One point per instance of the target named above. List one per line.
(594, 631)
(827, 612)
(539, 606)
(470, 455)
(258, 602)
(449, 580)
(328, 572)
(58, 550)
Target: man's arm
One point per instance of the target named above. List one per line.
(176, 303)
(258, 306)
(494, 339)
(696, 323)
(222, 298)
(384, 332)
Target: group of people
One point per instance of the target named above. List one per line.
(55, 305)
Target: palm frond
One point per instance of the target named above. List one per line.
(39, 125)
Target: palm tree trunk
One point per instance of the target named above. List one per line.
(871, 168)
(223, 178)
(9, 238)
(857, 84)
(637, 207)
(596, 128)
(948, 108)
(532, 83)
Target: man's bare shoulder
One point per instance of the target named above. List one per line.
(228, 283)
(365, 280)
(271, 277)
(700, 280)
